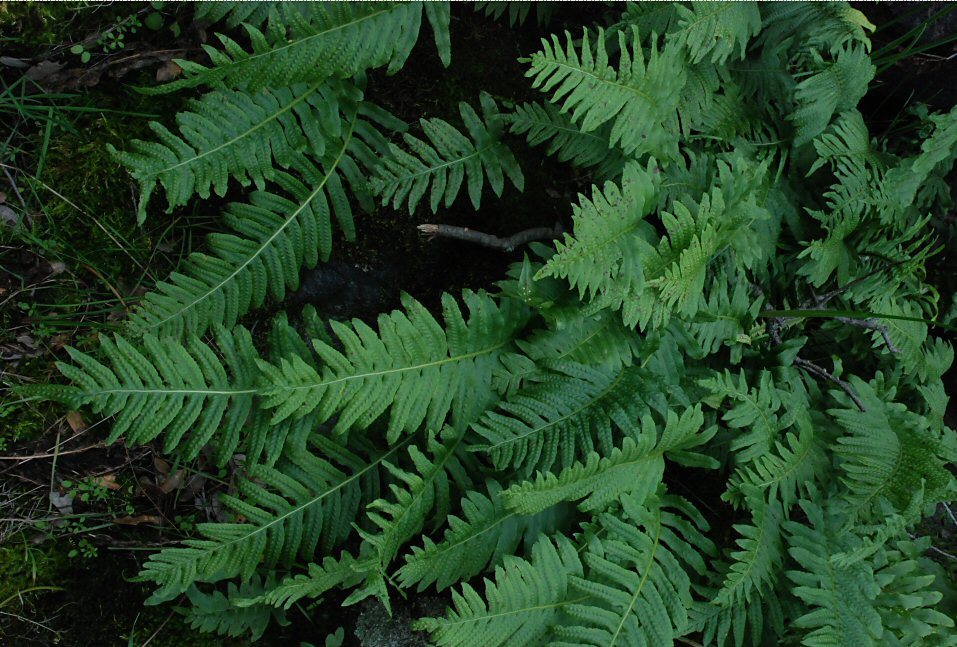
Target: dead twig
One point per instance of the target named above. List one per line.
(871, 324)
(820, 371)
(488, 240)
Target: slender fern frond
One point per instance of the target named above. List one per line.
(639, 99)
(565, 417)
(273, 236)
(337, 40)
(543, 123)
(637, 587)
(292, 509)
(714, 30)
(220, 613)
(412, 365)
(448, 158)
(519, 607)
(320, 578)
(181, 391)
(484, 534)
(229, 134)
(635, 469)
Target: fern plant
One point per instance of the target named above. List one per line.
(713, 412)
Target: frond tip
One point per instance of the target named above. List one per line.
(448, 158)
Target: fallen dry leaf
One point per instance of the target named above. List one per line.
(138, 519)
(168, 71)
(108, 481)
(171, 483)
(76, 421)
(160, 465)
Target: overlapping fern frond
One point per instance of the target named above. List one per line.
(184, 392)
(543, 123)
(412, 365)
(321, 41)
(639, 99)
(306, 503)
(247, 137)
(519, 607)
(484, 534)
(440, 165)
(637, 586)
(636, 468)
(274, 235)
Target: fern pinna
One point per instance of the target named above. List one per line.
(713, 412)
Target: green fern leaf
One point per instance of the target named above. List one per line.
(566, 416)
(639, 99)
(636, 469)
(422, 371)
(543, 123)
(341, 572)
(328, 40)
(484, 535)
(272, 237)
(636, 588)
(714, 30)
(219, 613)
(519, 606)
(313, 505)
(182, 391)
(449, 158)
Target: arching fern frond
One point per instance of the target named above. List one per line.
(543, 123)
(635, 469)
(220, 613)
(229, 134)
(610, 235)
(342, 572)
(887, 453)
(419, 493)
(448, 158)
(273, 236)
(484, 534)
(565, 416)
(636, 588)
(519, 607)
(290, 510)
(182, 391)
(412, 365)
(714, 30)
(836, 86)
(327, 40)
(639, 99)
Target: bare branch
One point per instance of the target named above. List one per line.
(820, 371)
(488, 240)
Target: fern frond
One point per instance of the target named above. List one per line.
(826, 26)
(332, 572)
(882, 600)
(417, 494)
(565, 417)
(635, 469)
(519, 606)
(448, 158)
(518, 10)
(610, 236)
(887, 453)
(637, 589)
(714, 30)
(784, 472)
(218, 612)
(761, 410)
(182, 391)
(835, 87)
(543, 123)
(639, 99)
(289, 511)
(327, 40)
(753, 568)
(412, 365)
(484, 534)
(272, 238)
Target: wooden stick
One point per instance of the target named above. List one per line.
(488, 240)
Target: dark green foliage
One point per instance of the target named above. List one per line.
(528, 453)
